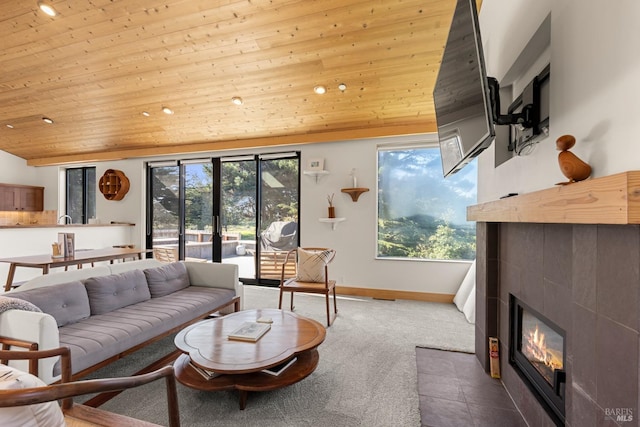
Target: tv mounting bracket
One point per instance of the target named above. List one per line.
(524, 118)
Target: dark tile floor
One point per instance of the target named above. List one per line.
(454, 390)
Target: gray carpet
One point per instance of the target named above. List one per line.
(366, 376)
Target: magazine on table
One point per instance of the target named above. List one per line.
(250, 331)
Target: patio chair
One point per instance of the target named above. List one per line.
(275, 242)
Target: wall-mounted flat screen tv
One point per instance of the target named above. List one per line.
(461, 93)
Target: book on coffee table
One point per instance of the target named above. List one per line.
(278, 369)
(207, 373)
(250, 331)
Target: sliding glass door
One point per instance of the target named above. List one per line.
(259, 213)
(278, 223)
(198, 210)
(238, 214)
(163, 206)
(240, 210)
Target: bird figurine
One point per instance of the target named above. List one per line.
(570, 165)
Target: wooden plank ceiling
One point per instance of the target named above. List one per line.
(99, 64)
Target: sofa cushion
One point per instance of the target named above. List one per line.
(67, 302)
(108, 293)
(46, 414)
(167, 279)
(100, 337)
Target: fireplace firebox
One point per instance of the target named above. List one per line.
(537, 353)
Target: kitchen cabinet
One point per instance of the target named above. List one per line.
(14, 197)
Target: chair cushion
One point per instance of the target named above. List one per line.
(108, 293)
(311, 265)
(46, 414)
(67, 302)
(167, 279)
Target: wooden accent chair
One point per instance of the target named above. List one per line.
(76, 414)
(312, 276)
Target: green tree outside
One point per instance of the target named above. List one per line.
(420, 214)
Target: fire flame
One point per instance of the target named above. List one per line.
(536, 348)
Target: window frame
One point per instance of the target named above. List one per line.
(430, 142)
(86, 209)
(219, 203)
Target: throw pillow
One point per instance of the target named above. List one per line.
(167, 279)
(67, 302)
(310, 265)
(46, 414)
(108, 293)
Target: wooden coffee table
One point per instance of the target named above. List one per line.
(240, 363)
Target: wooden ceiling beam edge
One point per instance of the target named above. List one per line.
(301, 139)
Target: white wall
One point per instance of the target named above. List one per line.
(354, 240)
(132, 207)
(14, 170)
(594, 86)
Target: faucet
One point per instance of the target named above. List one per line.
(65, 219)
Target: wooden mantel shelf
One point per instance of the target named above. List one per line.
(613, 199)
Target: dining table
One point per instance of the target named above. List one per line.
(80, 257)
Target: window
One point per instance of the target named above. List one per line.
(81, 194)
(421, 215)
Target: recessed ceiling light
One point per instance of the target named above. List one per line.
(167, 110)
(10, 126)
(47, 120)
(342, 87)
(237, 100)
(49, 10)
(146, 113)
(319, 90)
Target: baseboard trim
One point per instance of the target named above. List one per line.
(389, 294)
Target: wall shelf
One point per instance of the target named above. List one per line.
(113, 184)
(355, 192)
(316, 174)
(333, 221)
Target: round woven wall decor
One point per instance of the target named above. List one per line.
(113, 184)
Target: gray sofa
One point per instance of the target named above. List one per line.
(105, 312)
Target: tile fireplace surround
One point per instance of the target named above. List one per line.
(573, 254)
